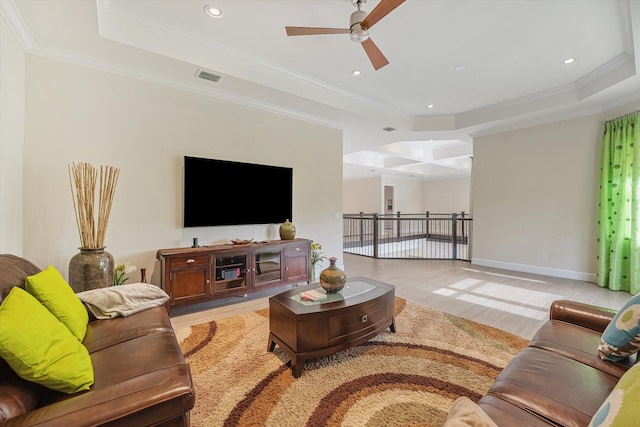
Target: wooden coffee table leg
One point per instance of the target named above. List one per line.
(297, 365)
(272, 344)
(297, 362)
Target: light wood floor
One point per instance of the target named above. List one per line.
(512, 301)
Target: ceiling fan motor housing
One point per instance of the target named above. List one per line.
(358, 32)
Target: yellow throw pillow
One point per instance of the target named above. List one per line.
(50, 288)
(39, 348)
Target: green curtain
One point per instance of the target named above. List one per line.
(618, 209)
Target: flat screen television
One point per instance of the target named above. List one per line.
(222, 192)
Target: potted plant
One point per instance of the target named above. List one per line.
(93, 267)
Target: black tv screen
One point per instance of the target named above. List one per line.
(222, 192)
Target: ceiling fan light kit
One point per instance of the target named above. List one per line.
(359, 25)
(358, 34)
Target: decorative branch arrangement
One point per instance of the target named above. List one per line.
(82, 179)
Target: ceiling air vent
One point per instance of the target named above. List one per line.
(208, 76)
(389, 129)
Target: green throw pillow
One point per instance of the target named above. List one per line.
(39, 348)
(620, 408)
(621, 337)
(50, 288)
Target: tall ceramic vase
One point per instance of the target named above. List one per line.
(332, 278)
(91, 269)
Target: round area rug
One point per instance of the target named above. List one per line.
(407, 378)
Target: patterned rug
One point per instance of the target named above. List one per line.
(407, 378)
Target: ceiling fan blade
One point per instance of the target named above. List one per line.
(311, 31)
(375, 55)
(380, 11)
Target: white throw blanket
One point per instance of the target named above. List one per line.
(122, 300)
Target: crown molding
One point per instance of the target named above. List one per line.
(342, 107)
(162, 80)
(618, 69)
(553, 116)
(615, 71)
(523, 110)
(17, 26)
(114, 24)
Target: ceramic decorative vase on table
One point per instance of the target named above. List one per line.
(332, 279)
(91, 269)
(287, 230)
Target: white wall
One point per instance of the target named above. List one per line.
(12, 93)
(362, 195)
(408, 195)
(411, 196)
(535, 197)
(76, 114)
(446, 195)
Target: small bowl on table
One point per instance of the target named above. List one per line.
(241, 242)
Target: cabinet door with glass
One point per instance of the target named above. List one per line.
(267, 267)
(230, 273)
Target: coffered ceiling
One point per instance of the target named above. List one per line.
(457, 68)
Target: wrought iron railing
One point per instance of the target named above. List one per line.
(423, 236)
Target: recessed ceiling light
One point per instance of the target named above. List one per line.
(356, 73)
(430, 106)
(213, 11)
(569, 61)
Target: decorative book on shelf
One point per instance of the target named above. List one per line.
(313, 295)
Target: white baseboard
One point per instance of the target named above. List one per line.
(554, 272)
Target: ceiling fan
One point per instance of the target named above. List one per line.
(360, 24)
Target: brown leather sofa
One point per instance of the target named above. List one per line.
(141, 378)
(558, 380)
